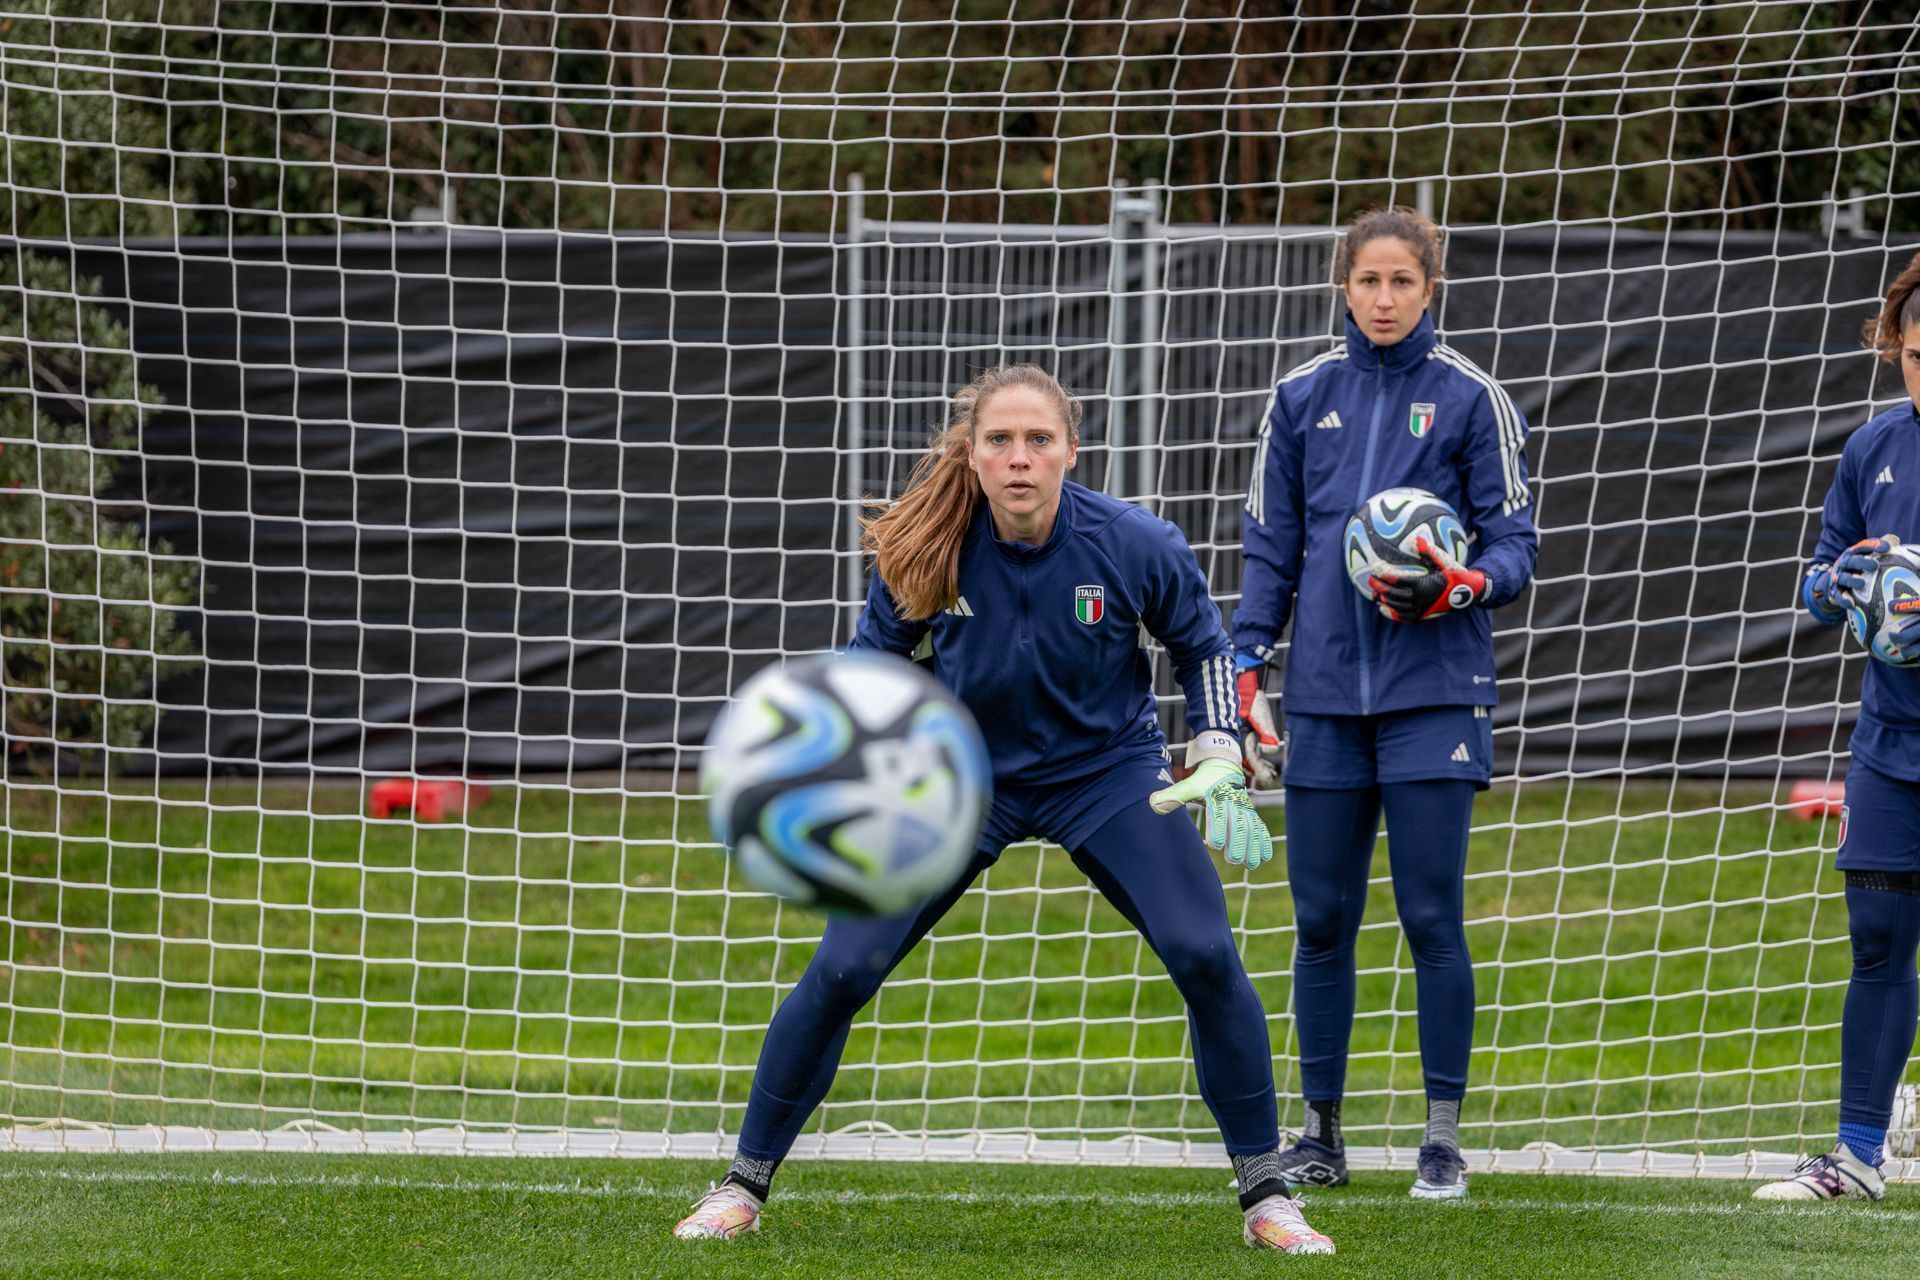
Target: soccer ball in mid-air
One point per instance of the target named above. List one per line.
(1890, 597)
(853, 783)
(1387, 530)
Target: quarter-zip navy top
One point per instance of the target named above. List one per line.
(1876, 492)
(1340, 428)
(1044, 642)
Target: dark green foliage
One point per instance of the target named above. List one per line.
(251, 118)
(87, 603)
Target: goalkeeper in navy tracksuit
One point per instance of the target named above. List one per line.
(1031, 593)
(1387, 700)
(1874, 501)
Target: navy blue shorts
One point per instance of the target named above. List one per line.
(1068, 813)
(1880, 822)
(1401, 746)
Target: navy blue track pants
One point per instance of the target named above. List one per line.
(1155, 870)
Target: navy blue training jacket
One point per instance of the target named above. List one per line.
(1043, 644)
(1339, 429)
(1875, 492)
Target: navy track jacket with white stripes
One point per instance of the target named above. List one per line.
(1876, 491)
(1339, 429)
(1044, 643)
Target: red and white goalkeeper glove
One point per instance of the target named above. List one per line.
(1259, 735)
(1406, 593)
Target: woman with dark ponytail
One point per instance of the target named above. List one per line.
(1874, 504)
(1029, 594)
(1389, 698)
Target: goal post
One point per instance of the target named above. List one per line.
(479, 394)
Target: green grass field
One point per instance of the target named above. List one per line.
(1656, 966)
(333, 1216)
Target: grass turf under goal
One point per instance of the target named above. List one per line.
(1659, 964)
(329, 1216)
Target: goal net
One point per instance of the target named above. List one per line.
(419, 418)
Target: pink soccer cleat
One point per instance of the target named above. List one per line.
(1277, 1223)
(724, 1212)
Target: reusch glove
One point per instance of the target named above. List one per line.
(1261, 753)
(1851, 567)
(1904, 639)
(1829, 588)
(1405, 593)
(1232, 824)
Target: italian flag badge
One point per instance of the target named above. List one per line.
(1420, 420)
(1089, 604)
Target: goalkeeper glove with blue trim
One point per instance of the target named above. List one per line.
(1829, 588)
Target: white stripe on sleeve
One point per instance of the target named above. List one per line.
(1506, 419)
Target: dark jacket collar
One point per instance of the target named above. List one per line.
(1398, 358)
(1026, 552)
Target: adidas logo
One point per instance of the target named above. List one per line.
(1460, 755)
(1329, 422)
(1885, 476)
(959, 608)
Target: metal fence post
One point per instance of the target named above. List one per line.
(855, 406)
(1117, 341)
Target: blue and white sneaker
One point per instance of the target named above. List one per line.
(1442, 1174)
(1308, 1164)
(1838, 1175)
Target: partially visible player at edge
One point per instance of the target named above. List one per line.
(1032, 602)
(1388, 700)
(1874, 501)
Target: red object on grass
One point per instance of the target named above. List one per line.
(428, 799)
(1810, 799)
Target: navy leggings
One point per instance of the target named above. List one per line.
(1883, 1002)
(1330, 838)
(1156, 872)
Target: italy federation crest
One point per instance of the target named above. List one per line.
(1089, 604)
(1420, 420)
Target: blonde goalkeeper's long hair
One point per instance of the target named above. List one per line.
(916, 541)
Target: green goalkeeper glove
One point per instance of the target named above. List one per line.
(1232, 823)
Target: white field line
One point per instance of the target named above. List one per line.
(639, 1189)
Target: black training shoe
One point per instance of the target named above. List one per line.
(1443, 1174)
(1308, 1164)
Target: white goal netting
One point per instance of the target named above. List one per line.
(469, 394)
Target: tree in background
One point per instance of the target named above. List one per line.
(89, 621)
(141, 118)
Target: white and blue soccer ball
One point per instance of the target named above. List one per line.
(853, 783)
(1891, 596)
(1387, 530)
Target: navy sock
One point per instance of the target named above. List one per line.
(1864, 1141)
(1882, 1007)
